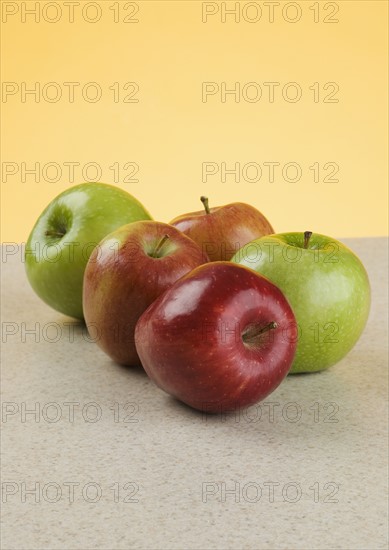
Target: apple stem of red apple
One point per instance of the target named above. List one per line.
(204, 200)
(255, 331)
(159, 246)
(307, 236)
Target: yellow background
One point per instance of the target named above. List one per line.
(170, 132)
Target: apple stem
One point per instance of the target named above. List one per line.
(54, 234)
(160, 245)
(256, 331)
(307, 236)
(204, 200)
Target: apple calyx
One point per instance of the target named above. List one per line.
(307, 236)
(250, 334)
(58, 234)
(204, 200)
(156, 253)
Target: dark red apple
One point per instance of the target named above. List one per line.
(126, 272)
(221, 231)
(221, 338)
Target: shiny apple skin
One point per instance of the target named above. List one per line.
(225, 229)
(122, 280)
(328, 288)
(190, 339)
(86, 212)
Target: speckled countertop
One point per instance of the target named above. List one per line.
(108, 461)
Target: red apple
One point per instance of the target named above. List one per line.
(126, 272)
(221, 231)
(221, 338)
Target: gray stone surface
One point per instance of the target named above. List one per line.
(191, 482)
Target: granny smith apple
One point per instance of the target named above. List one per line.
(65, 235)
(325, 283)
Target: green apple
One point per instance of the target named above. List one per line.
(326, 285)
(65, 234)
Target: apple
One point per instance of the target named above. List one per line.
(326, 285)
(221, 231)
(129, 269)
(64, 236)
(220, 339)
